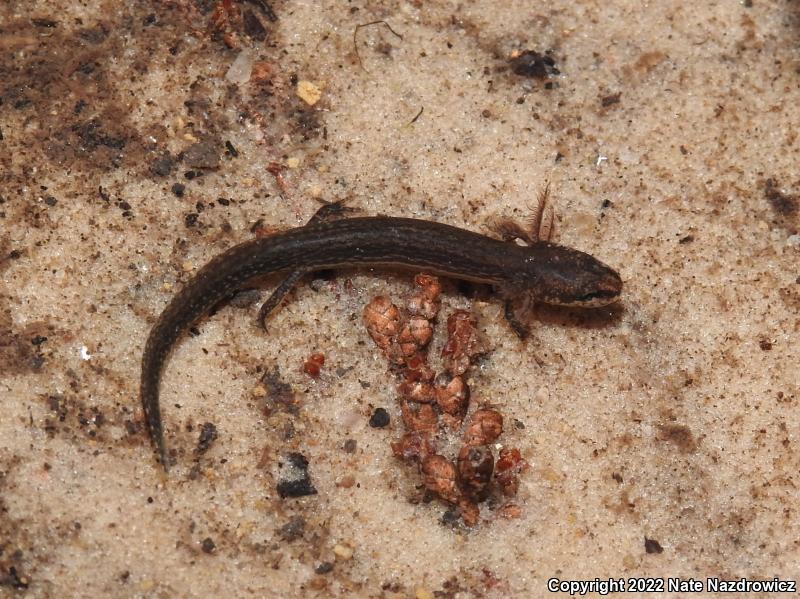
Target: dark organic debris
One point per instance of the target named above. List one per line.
(295, 480)
(93, 136)
(679, 435)
(610, 99)
(208, 434)
(379, 418)
(208, 545)
(280, 395)
(783, 204)
(652, 546)
(532, 64)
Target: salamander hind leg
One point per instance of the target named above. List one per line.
(539, 227)
(327, 211)
(280, 292)
(509, 230)
(330, 211)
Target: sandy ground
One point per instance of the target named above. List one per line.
(662, 435)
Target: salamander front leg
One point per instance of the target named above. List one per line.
(510, 314)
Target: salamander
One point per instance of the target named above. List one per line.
(539, 272)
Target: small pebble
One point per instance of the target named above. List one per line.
(208, 545)
(308, 92)
(342, 551)
(379, 418)
(346, 482)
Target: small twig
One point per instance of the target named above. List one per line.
(419, 114)
(355, 33)
(266, 9)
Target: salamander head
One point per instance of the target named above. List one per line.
(562, 276)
